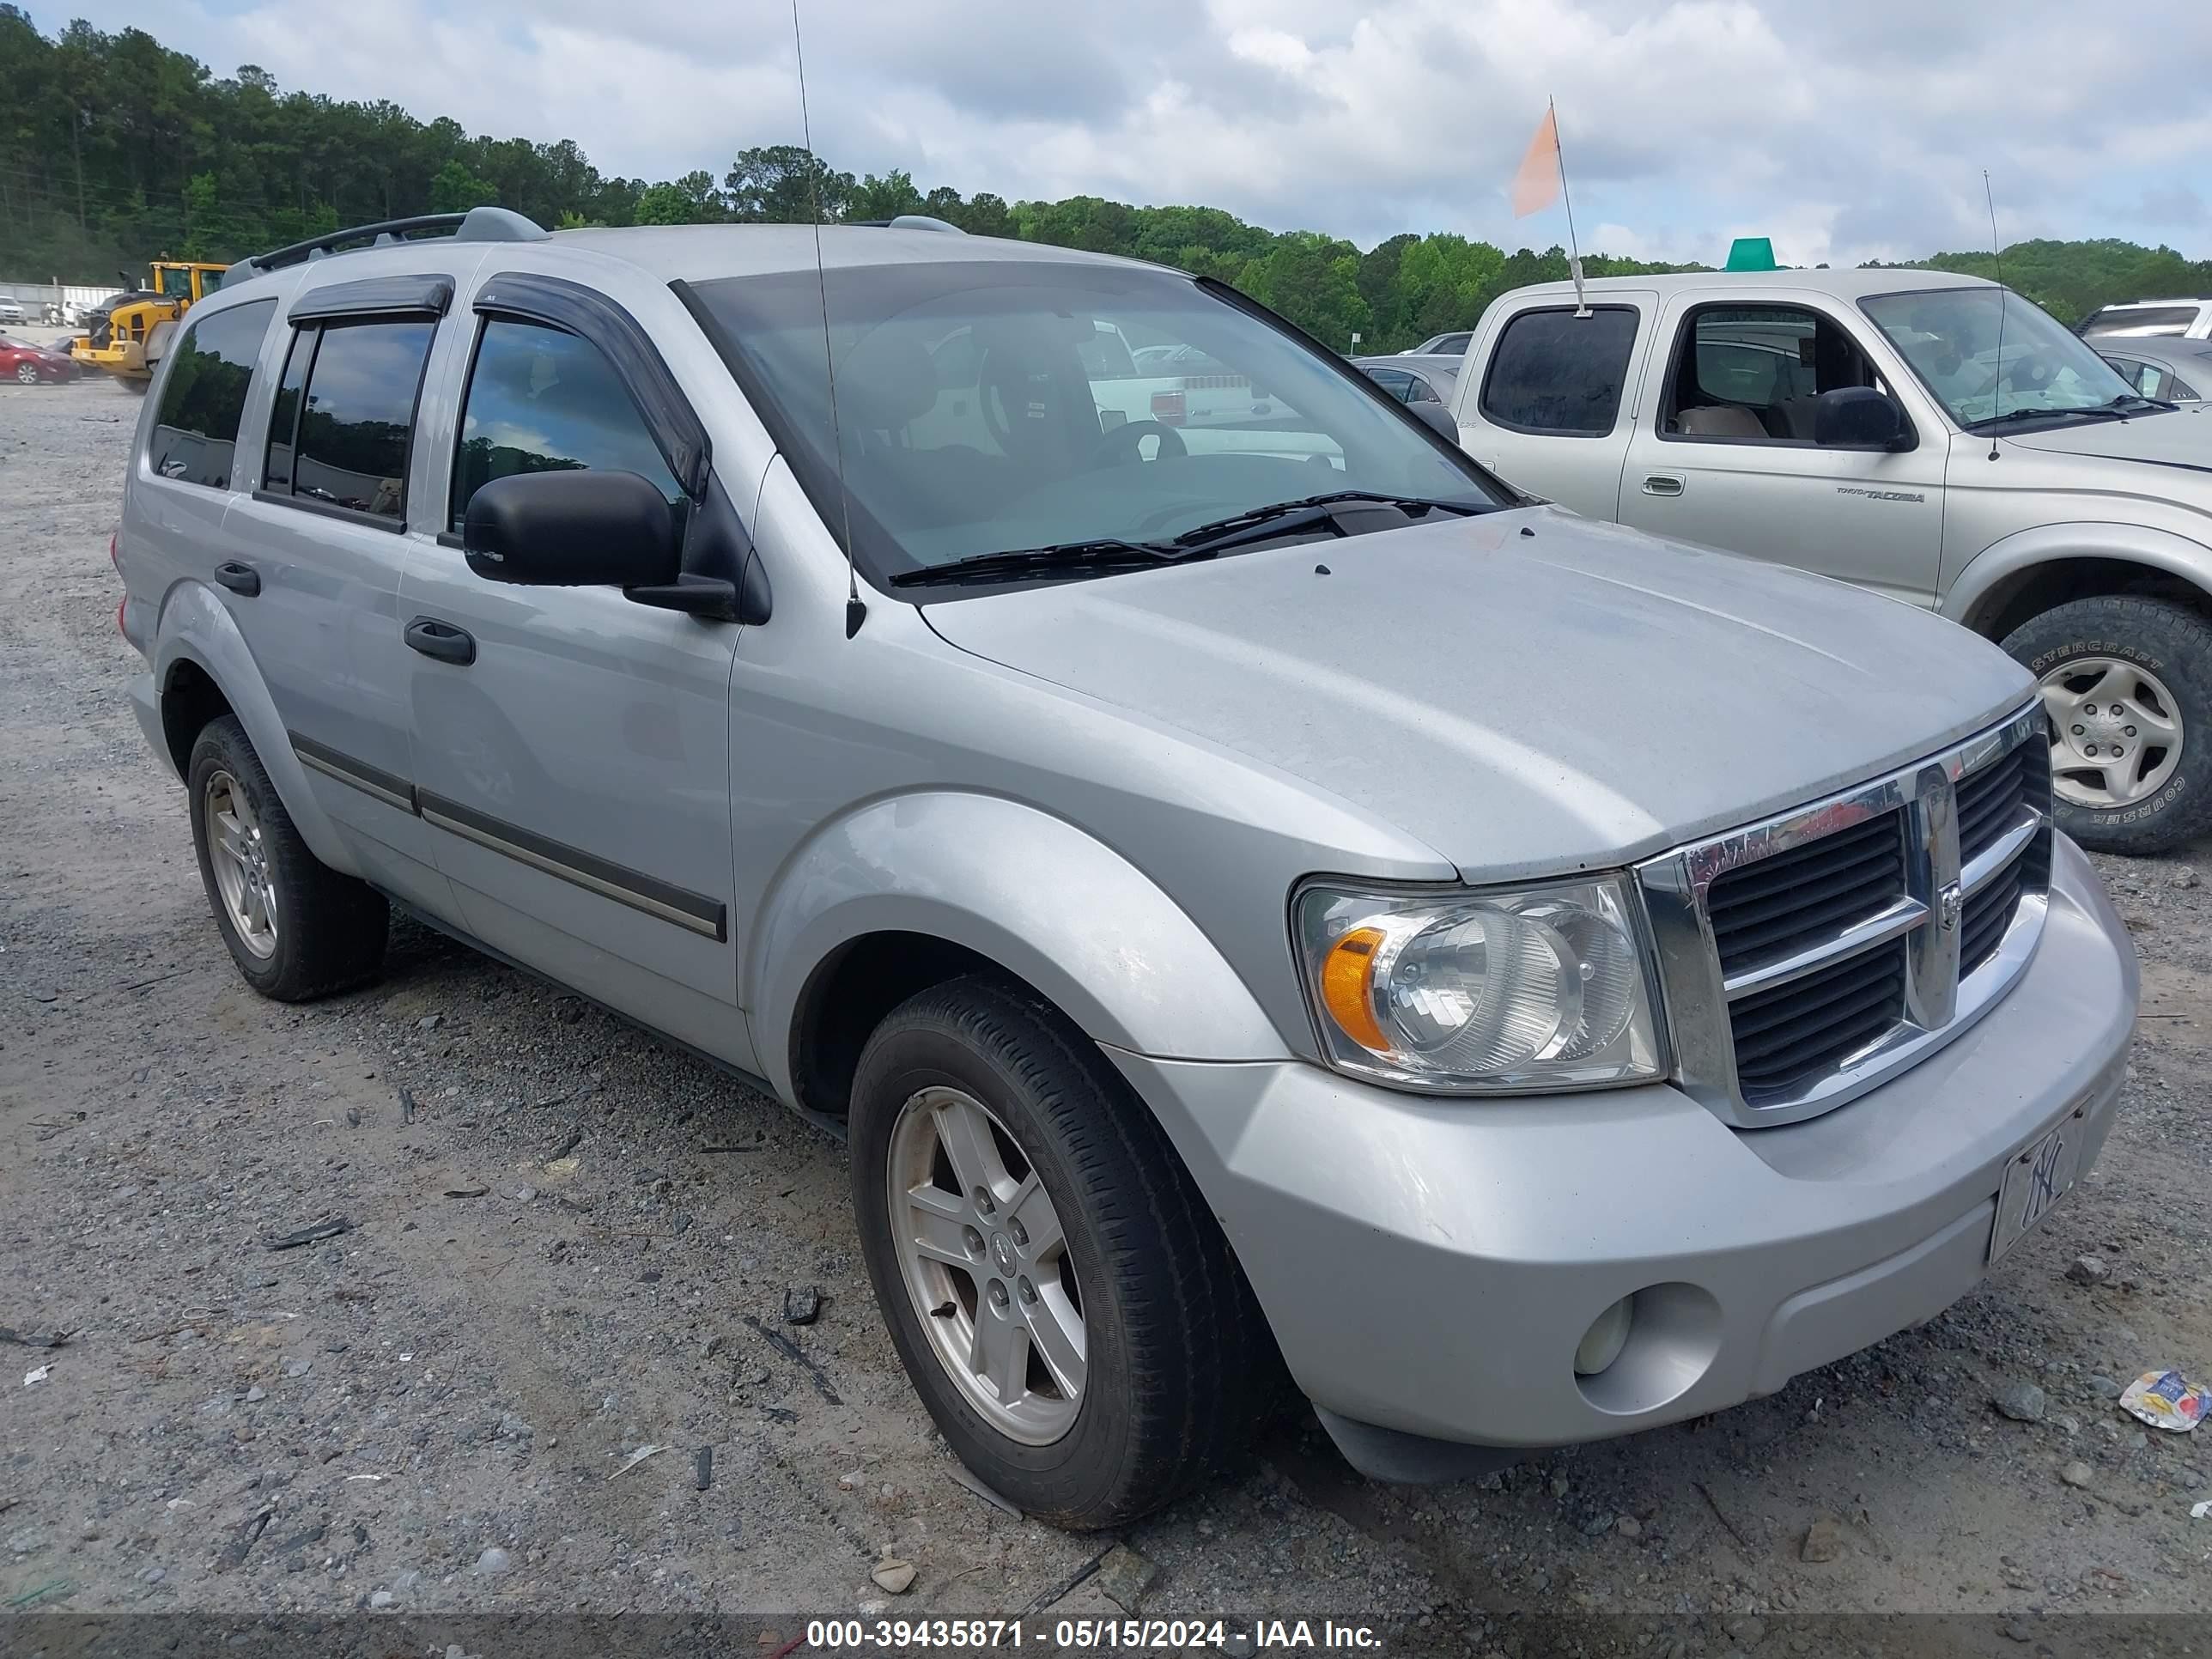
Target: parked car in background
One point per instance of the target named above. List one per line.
(1292, 900)
(1443, 345)
(11, 311)
(2188, 319)
(2174, 368)
(30, 364)
(1930, 436)
(1412, 379)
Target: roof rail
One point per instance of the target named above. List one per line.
(908, 222)
(478, 224)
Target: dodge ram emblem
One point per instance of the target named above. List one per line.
(1948, 907)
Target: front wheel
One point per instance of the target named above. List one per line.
(28, 374)
(1065, 1304)
(2127, 686)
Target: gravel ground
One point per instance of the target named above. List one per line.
(444, 1407)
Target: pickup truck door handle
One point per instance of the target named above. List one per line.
(441, 640)
(242, 578)
(1662, 483)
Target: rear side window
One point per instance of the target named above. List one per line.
(203, 395)
(1395, 381)
(349, 391)
(542, 401)
(1553, 372)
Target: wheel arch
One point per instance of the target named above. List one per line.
(2028, 573)
(906, 892)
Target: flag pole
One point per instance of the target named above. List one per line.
(1574, 249)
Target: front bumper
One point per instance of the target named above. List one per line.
(1430, 1266)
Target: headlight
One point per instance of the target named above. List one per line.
(1498, 992)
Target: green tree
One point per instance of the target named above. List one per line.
(884, 199)
(664, 204)
(1313, 281)
(454, 188)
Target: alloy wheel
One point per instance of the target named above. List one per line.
(985, 1260)
(238, 855)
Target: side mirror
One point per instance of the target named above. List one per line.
(1858, 417)
(1436, 416)
(571, 529)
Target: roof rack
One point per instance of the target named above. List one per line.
(478, 224)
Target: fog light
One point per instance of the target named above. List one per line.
(1601, 1344)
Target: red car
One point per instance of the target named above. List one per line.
(21, 360)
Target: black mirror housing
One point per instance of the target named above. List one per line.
(1858, 417)
(1436, 416)
(575, 528)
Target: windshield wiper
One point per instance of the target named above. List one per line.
(2088, 411)
(1290, 518)
(1098, 553)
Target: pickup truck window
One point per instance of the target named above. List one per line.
(1751, 373)
(981, 408)
(1949, 338)
(1559, 375)
(203, 397)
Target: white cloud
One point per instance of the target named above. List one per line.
(1843, 131)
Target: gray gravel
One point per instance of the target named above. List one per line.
(499, 1400)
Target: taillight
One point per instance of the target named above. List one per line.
(1168, 408)
(123, 626)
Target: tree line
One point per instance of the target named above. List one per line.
(115, 149)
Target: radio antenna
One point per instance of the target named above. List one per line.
(1996, 252)
(855, 612)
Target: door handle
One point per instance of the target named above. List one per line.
(238, 578)
(441, 640)
(1662, 483)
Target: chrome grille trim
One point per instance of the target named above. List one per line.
(1938, 1002)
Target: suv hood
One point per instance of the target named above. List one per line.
(2181, 437)
(1523, 702)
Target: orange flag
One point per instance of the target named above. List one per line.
(1536, 186)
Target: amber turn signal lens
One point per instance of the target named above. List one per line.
(1347, 986)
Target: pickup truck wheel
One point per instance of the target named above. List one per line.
(296, 928)
(2127, 685)
(1064, 1302)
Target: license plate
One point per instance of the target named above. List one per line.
(2036, 1179)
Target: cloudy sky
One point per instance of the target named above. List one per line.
(1844, 129)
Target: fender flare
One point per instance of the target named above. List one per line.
(195, 627)
(1031, 892)
(1993, 569)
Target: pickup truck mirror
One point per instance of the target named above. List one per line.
(1858, 417)
(1436, 417)
(571, 529)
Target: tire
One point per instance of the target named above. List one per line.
(2118, 672)
(325, 931)
(27, 373)
(1175, 1357)
(136, 385)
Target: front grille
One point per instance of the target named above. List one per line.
(1794, 899)
(102, 333)
(1989, 801)
(1808, 957)
(1807, 1027)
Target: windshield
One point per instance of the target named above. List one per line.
(1950, 337)
(991, 406)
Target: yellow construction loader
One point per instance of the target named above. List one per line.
(128, 336)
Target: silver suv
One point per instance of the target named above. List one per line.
(1252, 890)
